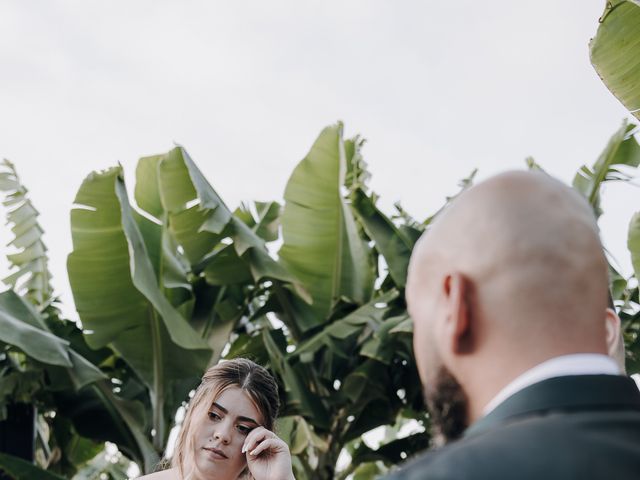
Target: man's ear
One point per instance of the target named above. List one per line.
(459, 326)
(615, 344)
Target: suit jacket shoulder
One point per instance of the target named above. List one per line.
(568, 427)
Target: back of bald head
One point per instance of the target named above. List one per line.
(529, 246)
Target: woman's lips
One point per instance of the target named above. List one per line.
(215, 453)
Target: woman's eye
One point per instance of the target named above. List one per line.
(244, 429)
(214, 416)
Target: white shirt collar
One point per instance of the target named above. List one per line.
(576, 364)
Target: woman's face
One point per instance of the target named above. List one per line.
(220, 433)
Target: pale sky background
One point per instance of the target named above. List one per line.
(437, 88)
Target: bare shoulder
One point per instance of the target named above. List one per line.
(171, 474)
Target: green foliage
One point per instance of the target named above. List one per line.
(392, 242)
(21, 329)
(31, 277)
(19, 469)
(615, 55)
(174, 273)
(169, 278)
(615, 52)
(615, 163)
(346, 366)
(629, 299)
(44, 360)
(621, 151)
(322, 246)
(121, 300)
(104, 466)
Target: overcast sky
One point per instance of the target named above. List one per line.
(437, 88)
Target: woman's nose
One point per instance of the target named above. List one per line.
(222, 435)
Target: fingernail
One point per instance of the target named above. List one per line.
(253, 452)
(244, 449)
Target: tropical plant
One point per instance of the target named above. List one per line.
(615, 55)
(179, 268)
(177, 274)
(345, 361)
(173, 273)
(617, 163)
(39, 359)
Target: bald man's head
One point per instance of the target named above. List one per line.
(512, 268)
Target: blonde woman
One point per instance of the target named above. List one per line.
(227, 433)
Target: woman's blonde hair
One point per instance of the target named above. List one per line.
(239, 372)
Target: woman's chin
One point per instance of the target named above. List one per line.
(212, 466)
(208, 468)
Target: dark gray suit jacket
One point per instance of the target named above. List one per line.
(582, 427)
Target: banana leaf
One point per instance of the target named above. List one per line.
(394, 246)
(121, 301)
(615, 52)
(322, 245)
(621, 151)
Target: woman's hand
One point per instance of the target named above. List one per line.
(268, 457)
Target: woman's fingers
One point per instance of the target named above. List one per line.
(270, 459)
(274, 444)
(256, 436)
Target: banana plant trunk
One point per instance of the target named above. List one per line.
(18, 432)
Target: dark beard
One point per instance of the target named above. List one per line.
(447, 404)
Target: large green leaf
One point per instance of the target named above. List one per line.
(164, 189)
(167, 268)
(21, 326)
(19, 469)
(615, 52)
(394, 246)
(112, 277)
(622, 150)
(216, 242)
(36, 343)
(225, 267)
(195, 208)
(181, 182)
(120, 299)
(322, 246)
(145, 280)
(147, 191)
